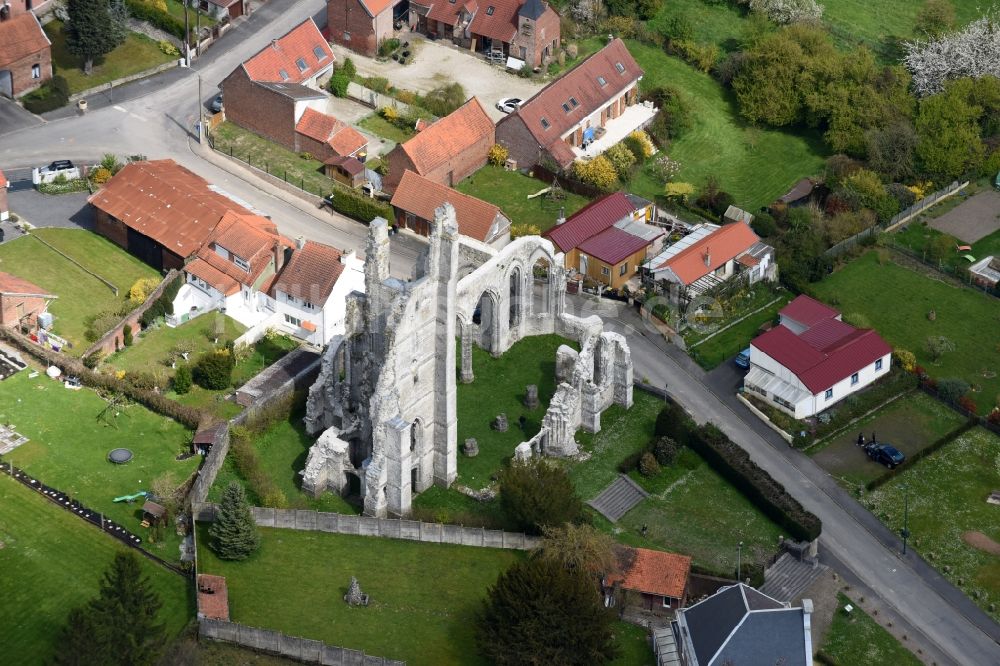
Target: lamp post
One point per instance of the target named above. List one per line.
(739, 560)
(666, 387)
(905, 532)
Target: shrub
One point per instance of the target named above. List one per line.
(167, 48)
(51, 95)
(155, 16)
(390, 114)
(537, 494)
(348, 69)
(214, 370)
(968, 404)
(498, 155)
(598, 172)
(100, 176)
(127, 335)
(387, 46)
(519, 229)
(952, 388)
(141, 289)
(764, 225)
(648, 466)
(182, 379)
(338, 84)
(444, 99)
(679, 191)
(905, 359)
(91, 361)
(640, 144)
(857, 320)
(621, 158)
(701, 56)
(619, 26)
(358, 207)
(630, 462)
(666, 449)
(674, 117)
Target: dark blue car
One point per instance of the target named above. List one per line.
(886, 454)
(742, 359)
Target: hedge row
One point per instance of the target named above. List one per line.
(735, 465)
(251, 469)
(51, 95)
(156, 18)
(359, 207)
(183, 414)
(923, 453)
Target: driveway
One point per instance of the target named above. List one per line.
(436, 63)
(52, 210)
(13, 117)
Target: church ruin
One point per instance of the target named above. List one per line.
(384, 404)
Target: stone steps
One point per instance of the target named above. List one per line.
(788, 578)
(618, 498)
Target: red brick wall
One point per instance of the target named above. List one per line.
(523, 147)
(259, 110)
(20, 71)
(398, 162)
(321, 151)
(110, 228)
(348, 16)
(10, 314)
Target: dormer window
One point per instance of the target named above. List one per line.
(602, 81)
(241, 263)
(489, 10)
(545, 123)
(573, 102)
(283, 74)
(319, 53)
(301, 64)
(566, 107)
(620, 67)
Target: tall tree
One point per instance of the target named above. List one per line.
(540, 612)
(891, 149)
(537, 494)
(83, 640)
(949, 131)
(234, 533)
(579, 547)
(95, 28)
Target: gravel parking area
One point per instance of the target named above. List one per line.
(973, 219)
(52, 210)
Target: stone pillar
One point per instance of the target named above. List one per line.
(590, 408)
(444, 273)
(399, 494)
(467, 334)
(377, 253)
(557, 283)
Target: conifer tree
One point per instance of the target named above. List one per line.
(95, 28)
(234, 533)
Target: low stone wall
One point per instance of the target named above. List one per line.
(83, 94)
(301, 649)
(389, 528)
(115, 338)
(210, 469)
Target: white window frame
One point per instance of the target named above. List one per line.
(36, 71)
(241, 263)
(605, 271)
(829, 394)
(667, 603)
(855, 379)
(623, 270)
(294, 321)
(878, 364)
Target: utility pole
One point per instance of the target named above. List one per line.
(905, 533)
(739, 561)
(187, 32)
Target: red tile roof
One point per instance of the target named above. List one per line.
(281, 55)
(21, 37)
(344, 139)
(166, 202)
(656, 572)
(12, 285)
(200, 268)
(213, 597)
(613, 64)
(500, 24)
(590, 220)
(444, 139)
(376, 7)
(613, 245)
(415, 194)
(807, 311)
(251, 238)
(311, 273)
(447, 12)
(711, 252)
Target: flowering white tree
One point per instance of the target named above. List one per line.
(787, 11)
(974, 51)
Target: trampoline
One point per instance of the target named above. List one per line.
(120, 456)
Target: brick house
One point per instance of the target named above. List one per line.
(594, 99)
(659, 579)
(360, 25)
(447, 151)
(278, 95)
(4, 208)
(25, 54)
(527, 30)
(220, 9)
(416, 199)
(11, 8)
(607, 240)
(21, 302)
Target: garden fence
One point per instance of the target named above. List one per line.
(945, 269)
(389, 528)
(900, 218)
(300, 649)
(375, 99)
(264, 170)
(548, 176)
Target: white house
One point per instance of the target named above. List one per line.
(812, 360)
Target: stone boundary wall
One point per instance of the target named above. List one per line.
(154, 33)
(301, 649)
(210, 469)
(107, 342)
(125, 79)
(373, 99)
(76, 263)
(389, 528)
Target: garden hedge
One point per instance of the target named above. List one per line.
(923, 453)
(156, 18)
(735, 465)
(358, 207)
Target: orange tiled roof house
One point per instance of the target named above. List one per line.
(656, 580)
(278, 94)
(25, 51)
(21, 302)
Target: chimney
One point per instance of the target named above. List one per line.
(274, 44)
(708, 256)
(562, 216)
(300, 242)
(279, 257)
(347, 256)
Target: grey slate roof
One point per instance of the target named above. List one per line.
(767, 638)
(532, 9)
(292, 90)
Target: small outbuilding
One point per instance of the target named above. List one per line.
(208, 437)
(734, 214)
(346, 169)
(153, 513)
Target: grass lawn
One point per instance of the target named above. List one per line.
(268, 156)
(150, 350)
(80, 294)
(510, 190)
(53, 562)
(635, 646)
(138, 53)
(379, 126)
(755, 165)
(423, 596)
(947, 493)
(716, 516)
(500, 388)
(858, 639)
(898, 309)
(176, 9)
(70, 441)
(910, 424)
(731, 341)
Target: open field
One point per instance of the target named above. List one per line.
(946, 493)
(71, 433)
(858, 639)
(53, 562)
(897, 307)
(911, 424)
(423, 596)
(137, 54)
(510, 189)
(755, 165)
(499, 387)
(81, 295)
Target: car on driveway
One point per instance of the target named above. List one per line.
(885, 454)
(57, 166)
(509, 104)
(742, 359)
(216, 104)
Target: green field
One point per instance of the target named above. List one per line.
(510, 189)
(152, 348)
(52, 562)
(70, 436)
(897, 300)
(137, 54)
(755, 165)
(423, 595)
(859, 639)
(947, 494)
(81, 295)
(911, 424)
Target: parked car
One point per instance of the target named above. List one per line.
(742, 359)
(58, 165)
(509, 104)
(216, 104)
(885, 454)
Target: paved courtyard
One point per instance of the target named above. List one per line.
(436, 63)
(52, 210)
(973, 219)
